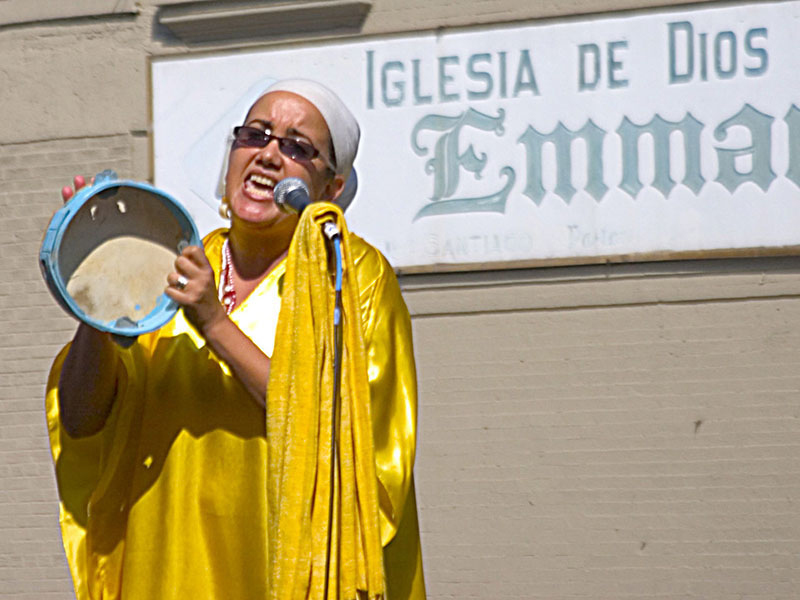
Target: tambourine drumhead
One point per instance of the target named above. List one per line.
(106, 259)
(122, 277)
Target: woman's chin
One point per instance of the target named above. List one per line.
(255, 212)
(268, 217)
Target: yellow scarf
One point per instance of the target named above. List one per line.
(299, 403)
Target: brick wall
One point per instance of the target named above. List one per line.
(32, 565)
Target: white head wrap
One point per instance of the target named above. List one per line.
(342, 125)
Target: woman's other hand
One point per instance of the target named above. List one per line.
(192, 286)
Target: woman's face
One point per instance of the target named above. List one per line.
(254, 172)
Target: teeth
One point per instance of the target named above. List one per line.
(259, 186)
(256, 191)
(262, 180)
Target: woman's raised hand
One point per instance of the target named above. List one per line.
(78, 182)
(86, 387)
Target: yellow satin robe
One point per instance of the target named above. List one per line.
(168, 500)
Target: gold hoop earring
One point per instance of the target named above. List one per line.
(225, 208)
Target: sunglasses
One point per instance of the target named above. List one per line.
(252, 137)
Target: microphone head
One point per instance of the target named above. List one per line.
(290, 194)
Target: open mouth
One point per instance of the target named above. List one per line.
(259, 186)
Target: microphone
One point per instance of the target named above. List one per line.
(291, 195)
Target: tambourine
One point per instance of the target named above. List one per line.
(107, 253)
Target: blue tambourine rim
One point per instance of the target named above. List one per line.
(165, 307)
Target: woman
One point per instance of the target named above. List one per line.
(160, 449)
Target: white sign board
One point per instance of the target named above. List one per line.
(634, 134)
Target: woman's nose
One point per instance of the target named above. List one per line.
(271, 153)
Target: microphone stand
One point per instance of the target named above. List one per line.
(331, 231)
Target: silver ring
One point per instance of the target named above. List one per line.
(181, 283)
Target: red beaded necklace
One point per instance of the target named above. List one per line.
(227, 293)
